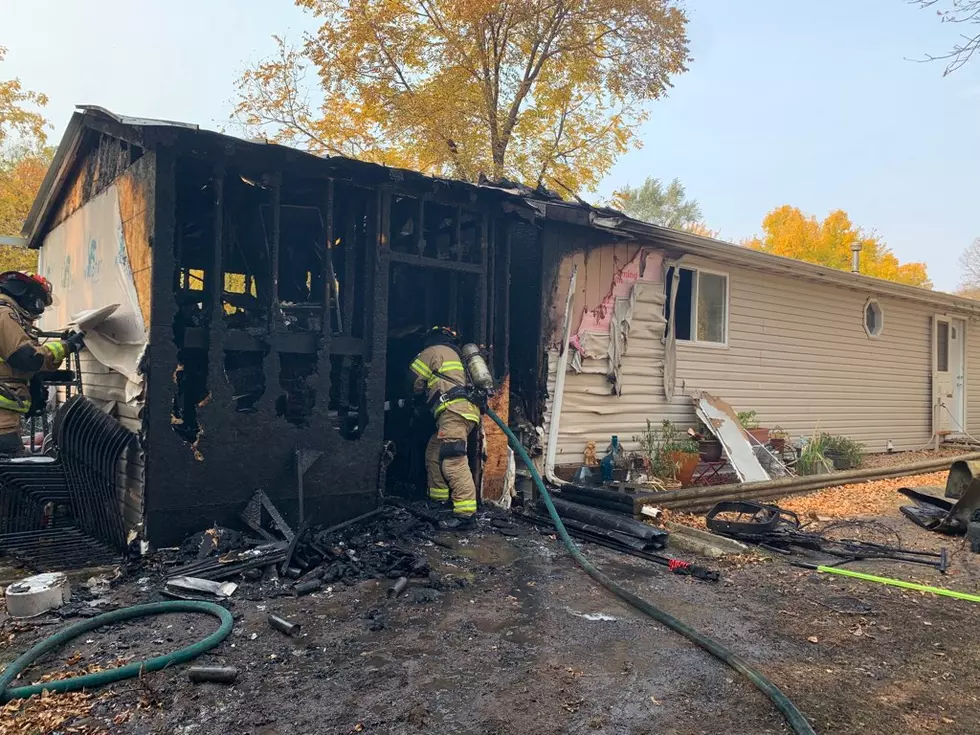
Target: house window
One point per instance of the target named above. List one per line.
(942, 347)
(874, 319)
(701, 306)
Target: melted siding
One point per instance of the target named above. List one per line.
(590, 411)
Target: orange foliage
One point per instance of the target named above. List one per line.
(543, 92)
(789, 232)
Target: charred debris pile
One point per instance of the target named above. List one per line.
(387, 543)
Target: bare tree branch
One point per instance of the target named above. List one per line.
(956, 12)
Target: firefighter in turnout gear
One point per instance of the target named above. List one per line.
(23, 299)
(439, 374)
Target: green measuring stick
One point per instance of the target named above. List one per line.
(899, 583)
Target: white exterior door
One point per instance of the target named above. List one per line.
(948, 370)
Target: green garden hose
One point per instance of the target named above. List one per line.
(128, 671)
(793, 716)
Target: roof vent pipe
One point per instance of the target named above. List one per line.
(856, 257)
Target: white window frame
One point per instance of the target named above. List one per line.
(881, 318)
(695, 285)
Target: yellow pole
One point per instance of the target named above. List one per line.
(899, 583)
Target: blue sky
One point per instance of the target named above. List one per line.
(813, 103)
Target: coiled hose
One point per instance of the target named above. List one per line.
(793, 716)
(100, 678)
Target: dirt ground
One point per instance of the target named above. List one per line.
(893, 459)
(529, 643)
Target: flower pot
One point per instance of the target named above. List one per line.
(840, 461)
(760, 435)
(710, 450)
(777, 443)
(686, 463)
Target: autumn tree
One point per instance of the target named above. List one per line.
(665, 205)
(23, 163)
(543, 91)
(789, 232)
(964, 17)
(16, 113)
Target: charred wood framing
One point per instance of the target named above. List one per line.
(287, 293)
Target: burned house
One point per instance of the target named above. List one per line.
(271, 301)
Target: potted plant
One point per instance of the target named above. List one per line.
(708, 445)
(667, 453)
(843, 451)
(684, 455)
(812, 460)
(778, 438)
(750, 422)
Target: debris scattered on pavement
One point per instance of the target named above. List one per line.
(398, 587)
(284, 626)
(779, 530)
(938, 514)
(207, 586)
(38, 594)
(217, 674)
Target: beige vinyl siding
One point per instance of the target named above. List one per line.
(799, 355)
(972, 352)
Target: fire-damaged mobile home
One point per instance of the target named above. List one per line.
(271, 301)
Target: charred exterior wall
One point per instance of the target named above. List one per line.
(246, 364)
(284, 304)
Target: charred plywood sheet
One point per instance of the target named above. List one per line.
(722, 420)
(135, 192)
(495, 488)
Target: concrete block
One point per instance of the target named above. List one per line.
(703, 542)
(38, 594)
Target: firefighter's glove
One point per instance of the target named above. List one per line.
(75, 342)
(479, 399)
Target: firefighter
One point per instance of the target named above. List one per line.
(23, 299)
(439, 374)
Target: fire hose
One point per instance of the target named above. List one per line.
(137, 668)
(793, 716)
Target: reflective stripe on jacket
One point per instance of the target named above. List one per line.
(445, 360)
(16, 332)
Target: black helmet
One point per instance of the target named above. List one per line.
(441, 336)
(31, 292)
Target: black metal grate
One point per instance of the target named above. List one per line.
(65, 512)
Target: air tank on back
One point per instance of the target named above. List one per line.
(477, 368)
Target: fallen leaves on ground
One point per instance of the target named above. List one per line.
(876, 497)
(694, 520)
(47, 713)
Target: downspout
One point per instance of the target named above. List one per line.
(551, 448)
(670, 340)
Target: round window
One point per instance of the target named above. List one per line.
(874, 319)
